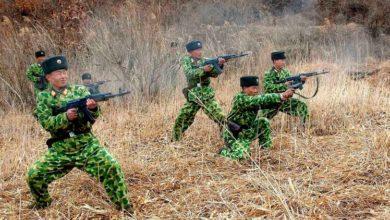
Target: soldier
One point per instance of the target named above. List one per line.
(72, 143)
(35, 73)
(199, 93)
(87, 82)
(246, 105)
(294, 106)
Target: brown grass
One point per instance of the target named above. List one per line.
(339, 168)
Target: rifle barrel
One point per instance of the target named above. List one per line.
(314, 73)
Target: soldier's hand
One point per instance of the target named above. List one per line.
(91, 104)
(288, 83)
(303, 78)
(287, 94)
(207, 68)
(71, 114)
(221, 61)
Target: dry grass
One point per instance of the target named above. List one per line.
(338, 169)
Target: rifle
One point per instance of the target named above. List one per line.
(98, 83)
(215, 63)
(101, 82)
(94, 87)
(81, 104)
(296, 80)
(42, 83)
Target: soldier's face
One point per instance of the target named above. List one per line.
(40, 59)
(87, 81)
(251, 90)
(196, 53)
(58, 78)
(279, 64)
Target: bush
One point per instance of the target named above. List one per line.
(371, 13)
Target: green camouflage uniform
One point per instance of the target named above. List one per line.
(200, 96)
(293, 106)
(245, 113)
(82, 151)
(35, 74)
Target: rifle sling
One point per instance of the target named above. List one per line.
(315, 92)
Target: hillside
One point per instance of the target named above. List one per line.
(336, 169)
(88, 32)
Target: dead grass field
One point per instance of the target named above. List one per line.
(338, 169)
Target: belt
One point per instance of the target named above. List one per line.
(65, 136)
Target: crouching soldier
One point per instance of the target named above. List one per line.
(72, 143)
(246, 106)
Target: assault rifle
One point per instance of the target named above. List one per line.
(81, 104)
(296, 82)
(99, 83)
(42, 83)
(215, 63)
(94, 87)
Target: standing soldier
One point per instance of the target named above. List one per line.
(35, 73)
(72, 143)
(246, 105)
(294, 106)
(87, 82)
(199, 93)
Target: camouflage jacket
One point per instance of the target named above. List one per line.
(198, 80)
(50, 99)
(271, 76)
(245, 108)
(35, 74)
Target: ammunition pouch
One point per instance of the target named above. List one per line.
(186, 90)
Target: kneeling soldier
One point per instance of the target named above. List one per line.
(72, 143)
(246, 106)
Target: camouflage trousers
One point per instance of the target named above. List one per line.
(294, 107)
(86, 154)
(238, 146)
(187, 115)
